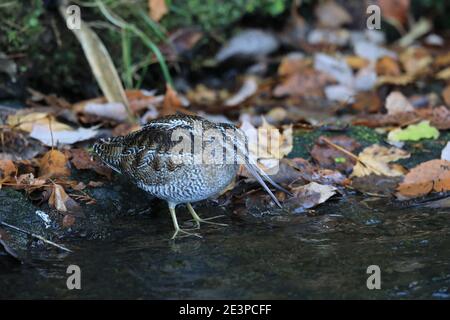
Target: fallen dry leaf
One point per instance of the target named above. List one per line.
(395, 9)
(387, 66)
(7, 169)
(400, 80)
(293, 63)
(308, 83)
(375, 160)
(356, 62)
(58, 198)
(52, 138)
(109, 110)
(27, 180)
(95, 184)
(331, 158)
(439, 117)
(62, 202)
(158, 9)
(332, 15)
(312, 194)
(26, 120)
(53, 164)
(442, 60)
(367, 102)
(416, 60)
(443, 74)
(267, 144)
(446, 95)
(374, 184)
(433, 175)
(172, 103)
(396, 103)
(82, 160)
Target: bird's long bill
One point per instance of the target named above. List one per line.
(254, 170)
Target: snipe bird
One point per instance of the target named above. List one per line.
(182, 159)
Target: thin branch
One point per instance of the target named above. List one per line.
(34, 236)
(352, 155)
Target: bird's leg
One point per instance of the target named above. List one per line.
(175, 223)
(198, 220)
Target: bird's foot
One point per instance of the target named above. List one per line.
(185, 234)
(199, 220)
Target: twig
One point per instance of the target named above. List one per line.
(34, 236)
(51, 131)
(351, 155)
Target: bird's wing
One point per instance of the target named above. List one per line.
(154, 153)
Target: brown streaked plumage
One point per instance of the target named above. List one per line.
(157, 159)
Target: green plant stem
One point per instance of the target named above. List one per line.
(146, 40)
(126, 58)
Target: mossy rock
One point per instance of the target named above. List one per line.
(304, 140)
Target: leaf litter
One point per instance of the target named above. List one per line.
(326, 74)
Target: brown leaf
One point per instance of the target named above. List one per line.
(442, 60)
(367, 102)
(293, 63)
(395, 9)
(309, 83)
(443, 74)
(416, 60)
(400, 80)
(7, 169)
(375, 160)
(54, 164)
(95, 184)
(28, 181)
(158, 9)
(313, 193)
(332, 15)
(433, 175)
(376, 184)
(387, 66)
(58, 198)
(331, 158)
(446, 95)
(62, 202)
(172, 103)
(82, 160)
(439, 117)
(356, 62)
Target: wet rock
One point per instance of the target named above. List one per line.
(113, 200)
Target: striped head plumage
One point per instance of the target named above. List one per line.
(109, 151)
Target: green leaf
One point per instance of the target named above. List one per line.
(414, 132)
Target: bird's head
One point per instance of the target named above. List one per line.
(109, 151)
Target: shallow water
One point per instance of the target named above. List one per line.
(277, 255)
